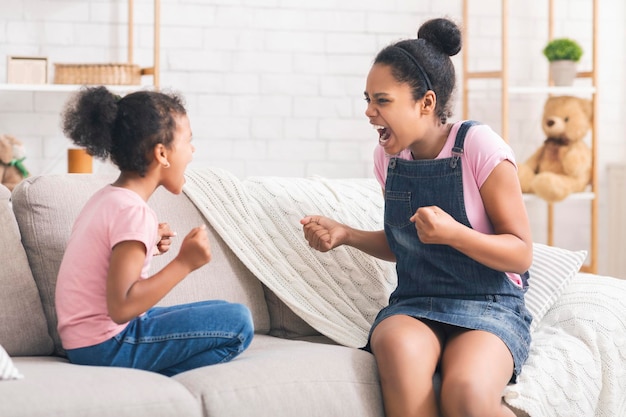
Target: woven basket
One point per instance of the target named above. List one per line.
(111, 74)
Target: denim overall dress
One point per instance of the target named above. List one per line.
(437, 282)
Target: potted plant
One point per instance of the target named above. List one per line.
(563, 55)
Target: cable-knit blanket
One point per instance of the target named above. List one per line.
(339, 292)
(577, 361)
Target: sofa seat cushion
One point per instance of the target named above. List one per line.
(277, 377)
(53, 387)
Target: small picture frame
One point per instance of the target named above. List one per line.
(27, 70)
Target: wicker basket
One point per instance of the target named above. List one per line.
(110, 74)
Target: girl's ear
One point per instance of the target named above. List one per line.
(429, 102)
(160, 155)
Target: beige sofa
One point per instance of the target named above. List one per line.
(289, 370)
(575, 365)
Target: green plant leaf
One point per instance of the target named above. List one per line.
(563, 49)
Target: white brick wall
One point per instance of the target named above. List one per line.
(274, 87)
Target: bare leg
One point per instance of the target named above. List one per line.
(407, 352)
(476, 367)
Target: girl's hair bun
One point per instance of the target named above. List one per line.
(443, 34)
(88, 120)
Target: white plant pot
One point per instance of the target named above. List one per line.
(563, 72)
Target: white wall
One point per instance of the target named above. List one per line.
(275, 87)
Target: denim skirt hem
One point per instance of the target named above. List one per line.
(505, 317)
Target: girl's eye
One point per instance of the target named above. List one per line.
(378, 101)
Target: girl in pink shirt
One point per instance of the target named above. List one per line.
(105, 298)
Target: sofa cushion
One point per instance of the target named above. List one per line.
(23, 329)
(277, 377)
(53, 387)
(284, 322)
(46, 206)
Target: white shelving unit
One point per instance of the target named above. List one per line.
(153, 71)
(507, 90)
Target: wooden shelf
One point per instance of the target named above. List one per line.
(574, 196)
(542, 89)
(559, 91)
(588, 90)
(62, 88)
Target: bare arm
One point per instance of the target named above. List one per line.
(509, 249)
(128, 295)
(325, 234)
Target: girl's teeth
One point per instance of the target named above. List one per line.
(384, 136)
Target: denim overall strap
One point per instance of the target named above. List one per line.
(427, 269)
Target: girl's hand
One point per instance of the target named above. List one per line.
(434, 225)
(195, 250)
(323, 233)
(165, 239)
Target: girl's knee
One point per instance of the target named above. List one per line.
(245, 324)
(244, 314)
(404, 334)
(468, 398)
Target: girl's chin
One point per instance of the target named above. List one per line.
(389, 148)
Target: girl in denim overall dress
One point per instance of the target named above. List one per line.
(457, 228)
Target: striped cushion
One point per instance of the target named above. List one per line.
(7, 369)
(551, 271)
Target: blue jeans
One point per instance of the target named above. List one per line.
(170, 340)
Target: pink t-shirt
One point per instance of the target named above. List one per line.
(483, 150)
(112, 215)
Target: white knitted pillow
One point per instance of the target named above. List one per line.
(551, 271)
(7, 368)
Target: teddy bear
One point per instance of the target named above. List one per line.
(562, 165)
(12, 155)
